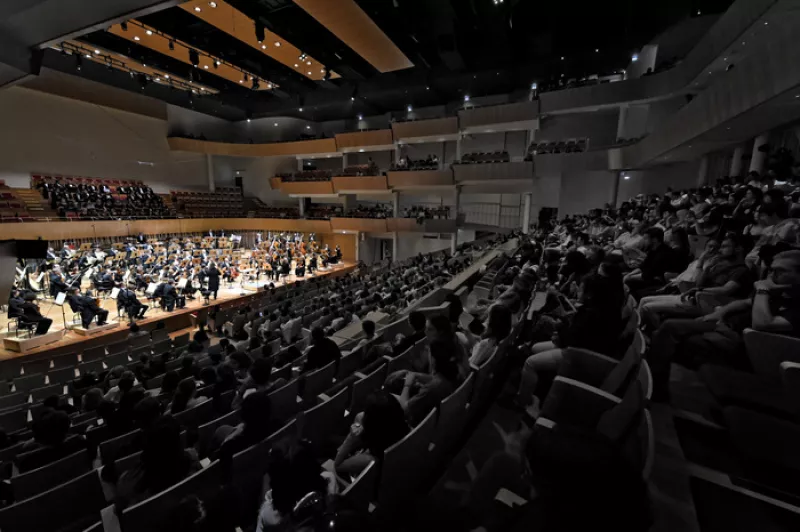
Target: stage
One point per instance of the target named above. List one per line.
(71, 341)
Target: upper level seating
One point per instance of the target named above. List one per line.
(307, 175)
(371, 211)
(441, 212)
(99, 199)
(562, 146)
(358, 170)
(407, 163)
(477, 158)
(324, 212)
(259, 209)
(220, 203)
(12, 207)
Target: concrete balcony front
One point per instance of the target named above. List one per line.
(555, 163)
(412, 225)
(378, 140)
(420, 179)
(365, 184)
(506, 117)
(365, 225)
(493, 172)
(307, 188)
(433, 130)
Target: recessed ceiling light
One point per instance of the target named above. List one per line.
(248, 120)
(97, 51)
(144, 64)
(596, 50)
(361, 117)
(308, 127)
(275, 124)
(216, 63)
(766, 24)
(166, 76)
(352, 98)
(136, 38)
(278, 44)
(301, 109)
(533, 86)
(205, 66)
(89, 56)
(321, 70)
(269, 85)
(296, 65)
(466, 97)
(149, 32)
(198, 9)
(308, 63)
(562, 57)
(212, 4)
(240, 81)
(309, 72)
(408, 108)
(626, 177)
(263, 46)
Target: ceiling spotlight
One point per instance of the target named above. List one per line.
(562, 57)
(212, 4)
(596, 50)
(136, 38)
(322, 71)
(466, 97)
(309, 63)
(409, 109)
(635, 57)
(278, 44)
(241, 81)
(124, 26)
(361, 117)
(296, 65)
(171, 44)
(166, 76)
(216, 64)
(308, 127)
(300, 109)
(534, 86)
(149, 32)
(269, 85)
(352, 98)
(198, 9)
(205, 66)
(275, 124)
(309, 72)
(248, 120)
(626, 177)
(97, 51)
(263, 46)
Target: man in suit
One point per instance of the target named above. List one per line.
(127, 300)
(57, 285)
(87, 307)
(213, 279)
(169, 295)
(26, 310)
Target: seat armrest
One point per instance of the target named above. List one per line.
(586, 366)
(790, 378)
(767, 351)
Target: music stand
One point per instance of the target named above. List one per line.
(61, 297)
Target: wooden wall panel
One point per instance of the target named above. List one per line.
(380, 137)
(306, 188)
(420, 179)
(368, 225)
(300, 147)
(426, 128)
(342, 184)
(346, 242)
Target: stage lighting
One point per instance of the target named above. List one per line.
(212, 4)
(194, 57)
(216, 64)
(259, 32)
(635, 57)
(149, 32)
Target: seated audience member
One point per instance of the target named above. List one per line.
(255, 426)
(660, 259)
(596, 326)
(417, 321)
(51, 441)
(778, 228)
(240, 363)
(136, 331)
(188, 368)
(724, 278)
(497, 329)
(259, 379)
(381, 425)
(368, 327)
(169, 384)
(716, 337)
(293, 476)
(422, 393)
(201, 336)
(292, 328)
(123, 386)
(184, 398)
(323, 351)
(163, 464)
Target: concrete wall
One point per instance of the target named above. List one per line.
(255, 174)
(514, 142)
(411, 244)
(656, 180)
(42, 133)
(583, 191)
(600, 127)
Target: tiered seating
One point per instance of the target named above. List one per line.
(259, 209)
(13, 208)
(307, 175)
(481, 157)
(359, 170)
(222, 203)
(431, 163)
(562, 146)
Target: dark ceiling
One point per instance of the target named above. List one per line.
(475, 47)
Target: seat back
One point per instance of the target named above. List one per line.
(453, 416)
(369, 384)
(117, 359)
(36, 481)
(140, 341)
(318, 381)
(283, 402)
(119, 347)
(29, 382)
(618, 378)
(12, 400)
(349, 364)
(109, 449)
(93, 366)
(197, 415)
(14, 420)
(181, 341)
(93, 353)
(361, 492)
(323, 420)
(40, 394)
(36, 366)
(406, 359)
(766, 352)
(61, 375)
(69, 360)
(405, 465)
(73, 505)
(141, 517)
(483, 378)
(206, 431)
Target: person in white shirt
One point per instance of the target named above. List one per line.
(497, 329)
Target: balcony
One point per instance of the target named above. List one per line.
(364, 184)
(380, 139)
(489, 172)
(433, 130)
(555, 163)
(367, 225)
(420, 179)
(307, 188)
(507, 117)
(412, 225)
(297, 148)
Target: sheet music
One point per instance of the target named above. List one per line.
(182, 283)
(60, 298)
(114, 293)
(151, 288)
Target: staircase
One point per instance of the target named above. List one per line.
(36, 205)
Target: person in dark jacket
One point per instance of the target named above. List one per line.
(87, 307)
(596, 326)
(323, 351)
(27, 311)
(659, 260)
(213, 279)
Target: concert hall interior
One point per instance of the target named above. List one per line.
(399, 266)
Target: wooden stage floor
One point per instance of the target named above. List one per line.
(175, 320)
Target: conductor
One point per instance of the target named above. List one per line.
(213, 279)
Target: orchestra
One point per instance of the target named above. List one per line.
(172, 267)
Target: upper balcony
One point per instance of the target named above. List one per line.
(296, 148)
(506, 117)
(360, 141)
(433, 130)
(493, 172)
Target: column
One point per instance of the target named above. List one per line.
(302, 207)
(702, 172)
(458, 148)
(344, 161)
(623, 115)
(526, 213)
(394, 247)
(759, 158)
(299, 164)
(210, 172)
(453, 242)
(457, 202)
(350, 202)
(736, 161)
(396, 204)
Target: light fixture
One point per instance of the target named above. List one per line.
(149, 32)
(124, 26)
(300, 109)
(275, 124)
(766, 24)
(269, 85)
(635, 57)
(427, 88)
(205, 66)
(361, 117)
(296, 65)
(248, 121)
(278, 44)
(97, 51)
(136, 38)
(626, 177)
(466, 97)
(361, 150)
(263, 46)
(308, 127)
(408, 109)
(562, 57)
(216, 64)
(309, 72)
(241, 81)
(698, 12)
(260, 32)
(166, 76)
(308, 63)
(256, 84)
(597, 50)
(212, 4)
(78, 61)
(534, 86)
(322, 71)
(197, 8)
(352, 98)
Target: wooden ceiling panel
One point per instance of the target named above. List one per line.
(157, 41)
(346, 20)
(227, 18)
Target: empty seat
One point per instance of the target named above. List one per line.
(110, 449)
(321, 422)
(361, 492)
(36, 366)
(28, 382)
(65, 361)
(40, 394)
(364, 387)
(206, 431)
(12, 400)
(197, 415)
(453, 417)
(94, 366)
(140, 341)
(61, 376)
(318, 381)
(93, 353)
(181, 341)
(119, 347)
(159, 335)
(284, 402)
(117, 359)
(38, 480)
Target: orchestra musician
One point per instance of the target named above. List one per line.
(57, 284)
(168, 294)
(23, 307)
(127, 299)
(213, 278)
(87, 307)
